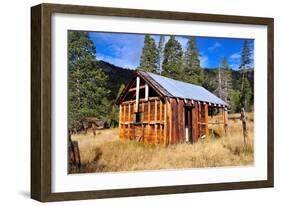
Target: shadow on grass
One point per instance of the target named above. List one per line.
(93, 166)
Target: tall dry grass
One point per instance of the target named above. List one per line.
(106, 153)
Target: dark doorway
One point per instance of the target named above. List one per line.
(188, 124)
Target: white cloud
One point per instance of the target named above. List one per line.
(235, 56)
(117, 61)
(122, 50)
(204, 61)
(234, 66)
(234, 60)
(126, 51)
(214, 46)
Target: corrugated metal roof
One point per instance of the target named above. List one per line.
(186, 90)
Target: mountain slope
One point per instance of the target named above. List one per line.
(235, 76)
(116, 77)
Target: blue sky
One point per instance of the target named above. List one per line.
(124, 50)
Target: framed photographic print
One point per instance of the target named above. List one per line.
(130, 102)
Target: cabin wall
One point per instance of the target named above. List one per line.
(151, 126)
(176, 121)
(199, 121)
(163, 121)
(202, 120)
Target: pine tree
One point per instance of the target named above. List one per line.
(148, 61)
(246, 56)
(234, 96)
(245, 85)
(192, 70)
(160, 54)
(113, 117)
(192, 54)
(225, 64)
(223, 81)
(121, 88)
(172, 63)
(87, 94)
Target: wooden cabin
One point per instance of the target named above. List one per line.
(158, 110)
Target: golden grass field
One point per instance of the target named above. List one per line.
(106, 153)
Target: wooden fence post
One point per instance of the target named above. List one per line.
(243, 118)
(225, 121)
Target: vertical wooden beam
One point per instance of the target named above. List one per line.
(155, 113)
(148, 106)
(148, 120)
(124, 120)
(165, 123)
(168, 121)
(129, 113)
(180, 121)
(174, 124)
(120, 121)
(142, 131)
(142, 111)
(160, 110)
(137, 94)
(177, 121)
(195, 122)
(155, 124)
(199, 119)
(222, 120)
(155, 133)
(190, 125)
(171, 126)
(146, 91)
(160, 133)
(183, 120)
(124, 113)
(129, 121)
(206, 121)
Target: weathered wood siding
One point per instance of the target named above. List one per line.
(176, 120)
(150, 129)
(163, 121)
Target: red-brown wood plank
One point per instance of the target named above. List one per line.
(194, 123)
(207, 120)
(180, 121)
